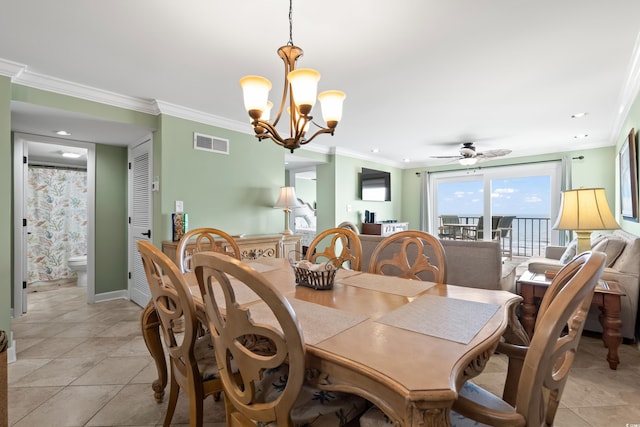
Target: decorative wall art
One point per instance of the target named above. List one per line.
(629, 179)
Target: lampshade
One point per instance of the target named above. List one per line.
(304, 87)
(584, 210)
(287, 198)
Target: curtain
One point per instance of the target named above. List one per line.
(56, 221)
(424, 200)
(564, 236)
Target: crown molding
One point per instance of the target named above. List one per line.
(201, 117)
(11, 69)
(629, 92)
(76, 90)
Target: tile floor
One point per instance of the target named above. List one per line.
(87, 365)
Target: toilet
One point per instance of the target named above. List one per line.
(79, 265)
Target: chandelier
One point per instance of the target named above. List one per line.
(301, 86)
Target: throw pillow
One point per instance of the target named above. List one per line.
(612, 248)
(570, 252)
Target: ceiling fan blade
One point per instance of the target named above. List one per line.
(445, 157)
(493, 153)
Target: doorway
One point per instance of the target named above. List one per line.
(40, 243)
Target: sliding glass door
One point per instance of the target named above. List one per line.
(530, 194)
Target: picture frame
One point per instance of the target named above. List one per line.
(629, 179)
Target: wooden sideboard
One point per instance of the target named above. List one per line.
(253, 246)
(384, 228)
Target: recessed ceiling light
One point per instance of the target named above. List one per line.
(580, 136)
(406, 160)
(578, 115)
(375, 150)
(62, 133)
(71, 155)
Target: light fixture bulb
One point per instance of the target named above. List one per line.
(304, 87)
(331, 104)
(255, 90)
(71, 155)
(468, 161)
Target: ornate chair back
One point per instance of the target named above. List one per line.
(344, 248)
(267, 349)
(549, 356)
(191, 360)
(413, 259)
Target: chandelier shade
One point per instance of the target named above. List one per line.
(298, 99)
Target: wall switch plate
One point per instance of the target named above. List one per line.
(179, 206)
(349, 208)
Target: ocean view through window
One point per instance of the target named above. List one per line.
(530, 196)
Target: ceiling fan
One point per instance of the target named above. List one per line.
(469, 156)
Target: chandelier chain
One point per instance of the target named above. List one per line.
(290, 43)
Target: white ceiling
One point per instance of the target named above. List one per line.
(421, 76)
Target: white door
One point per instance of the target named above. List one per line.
(20, 179)
(140, 219)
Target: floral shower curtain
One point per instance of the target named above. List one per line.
(56, 220)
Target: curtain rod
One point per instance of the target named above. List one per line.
(502, 166)
(46, 166)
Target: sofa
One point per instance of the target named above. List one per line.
(623, 266)
(476, 264)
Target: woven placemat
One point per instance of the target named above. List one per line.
(448, 318)
(388, 284)
(318, 322)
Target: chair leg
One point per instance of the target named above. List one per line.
(174, 391)
(195, 406)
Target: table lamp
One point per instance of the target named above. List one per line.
(583, 211)
(286, 200)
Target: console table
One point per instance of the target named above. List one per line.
(252, 246)
(384, 228)
(533, 286)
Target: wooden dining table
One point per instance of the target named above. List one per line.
(407, 346)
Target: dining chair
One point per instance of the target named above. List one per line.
(410, 254)
(343, 250)
(204, 239)
(191, 360)
(271, 388)
(547, 360)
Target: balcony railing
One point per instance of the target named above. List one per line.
(530, 236)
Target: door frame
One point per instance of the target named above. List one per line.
(20, 143)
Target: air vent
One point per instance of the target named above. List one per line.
(210, 143)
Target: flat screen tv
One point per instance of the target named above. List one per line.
(375, 185)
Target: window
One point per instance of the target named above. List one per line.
(531, 193)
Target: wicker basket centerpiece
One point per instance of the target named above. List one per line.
(316, 276)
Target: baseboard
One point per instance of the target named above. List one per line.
(110, 296)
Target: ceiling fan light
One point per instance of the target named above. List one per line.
(255, 90)
(304, 87)
(468, 161)
(331, 104)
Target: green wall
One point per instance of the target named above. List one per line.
(234, 192)
(306, 190)
(6, 194)
(111, 223)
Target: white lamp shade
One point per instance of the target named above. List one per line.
(585, 209)
(331, 104)
(304, 85)
(287, 198)
(255, 90)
